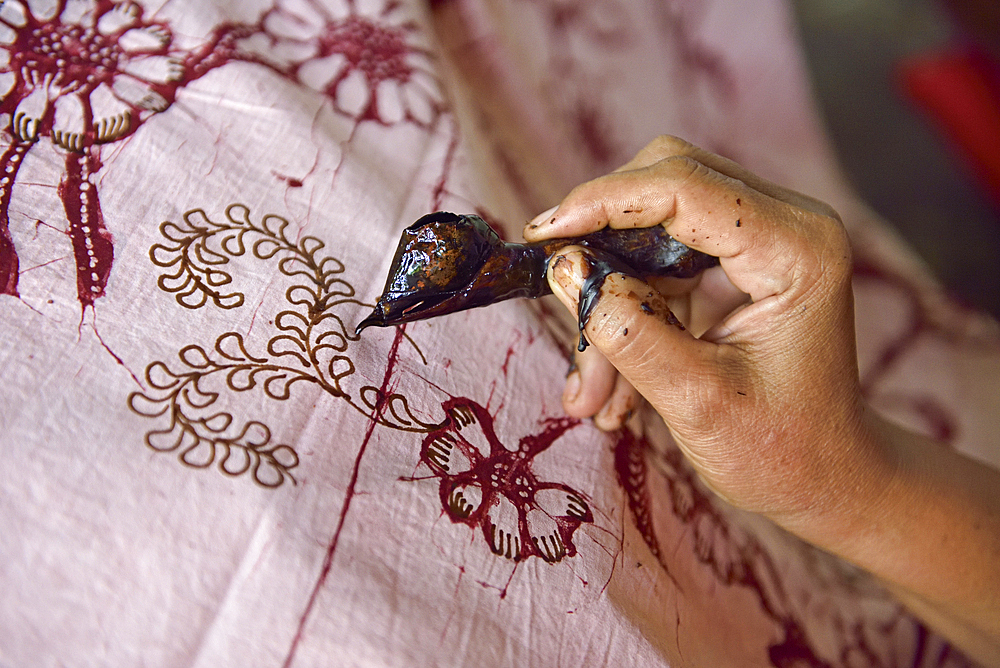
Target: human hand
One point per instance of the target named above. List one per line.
(766, 403)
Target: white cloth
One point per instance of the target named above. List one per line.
(204, 466)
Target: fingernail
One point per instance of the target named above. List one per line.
(542, 218)
(604, 419)
(573, 385)
(614, 414)
(567, 277)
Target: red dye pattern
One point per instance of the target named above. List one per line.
(53, 60)
(116, 357)
(738, 559)
(918, 323)
(441, 187)
(379, 47)
(679, 23)
(596, 131)
(511, 350)
(378, 52)
(630, 465)
(68, 65)
(10, 162)
(601, 24)
(541, 517)
(506, 360)
(60, 66)
(92, 243)
(566, 22)
(331, 549)
(292, 182)
(939, 422)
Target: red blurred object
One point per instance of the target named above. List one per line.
(959, 90)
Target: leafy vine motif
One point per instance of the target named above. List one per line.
(309, 346)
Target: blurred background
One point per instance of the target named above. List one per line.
(867, 58)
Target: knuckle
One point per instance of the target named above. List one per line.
(709, 400)
(588, 195)
(684, 170)
(667, 145)
(712, 392)
(818, 251)
(696, 405)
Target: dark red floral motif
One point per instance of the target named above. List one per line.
(484, 484)
(368, 66)
(84, 73)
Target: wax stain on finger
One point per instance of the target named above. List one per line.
(588, 271)
(568, 270)
(546, 217)
(601, 265)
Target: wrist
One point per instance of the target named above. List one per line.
(852, 489)
(922, 518)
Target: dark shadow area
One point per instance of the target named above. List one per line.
(896, 159)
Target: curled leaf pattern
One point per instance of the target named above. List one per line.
(202, 436)
(309, 343)
(310, 336)
(393, 411)
(197, 251)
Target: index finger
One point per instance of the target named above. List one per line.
(667, 146)
(765, 244)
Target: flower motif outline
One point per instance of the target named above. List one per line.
(364, 59)
(83, 72)
(488, 486)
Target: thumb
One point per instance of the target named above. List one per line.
(630, 323)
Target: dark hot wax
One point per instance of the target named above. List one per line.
(447, 262)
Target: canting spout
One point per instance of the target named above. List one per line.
(377, 319)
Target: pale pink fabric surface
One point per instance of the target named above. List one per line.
(203, 466)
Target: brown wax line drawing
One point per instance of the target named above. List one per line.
(309, 344)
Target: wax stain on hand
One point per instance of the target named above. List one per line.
(596, 267)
